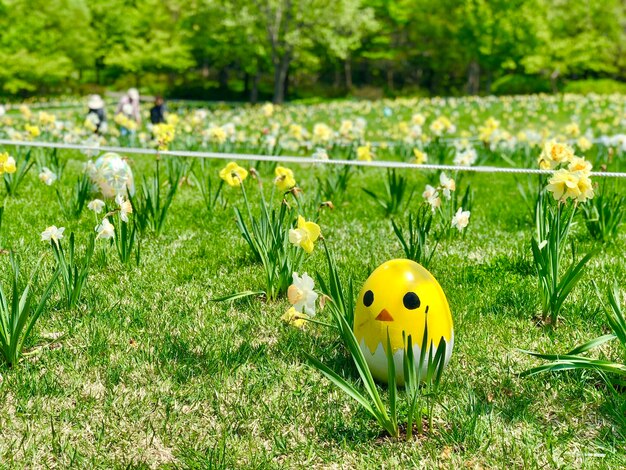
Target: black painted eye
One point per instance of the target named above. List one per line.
(368, 298)
(411, 300)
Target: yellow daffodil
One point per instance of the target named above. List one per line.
(403, 128)
(45, 118)
(441, 124)
(25, 111)
(268, 109)
(90, 125)
(418, 119)
(564, 185)
(346, 127)
(33, 131)
(321, 132)
(544, 164)
(233, 174)
(579, 164)
(572, 129)
(294, 318)
(164, 134)
(488, 129)
(295, 130)
(585, 187)
(284, 178)
(555, 153)
(124, 121)
(437, 127)
(420, 157)
(172, 119)
(305, 234)
(7, 163)
(583, 143)
(217, 135)
(364, 152)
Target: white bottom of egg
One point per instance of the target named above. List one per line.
(377, 361)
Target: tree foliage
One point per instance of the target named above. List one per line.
(440, 46)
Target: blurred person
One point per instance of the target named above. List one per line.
(157, 113)
(129, 108)
(96, 114)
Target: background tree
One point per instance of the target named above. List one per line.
(251, 49)
(43, 44)
(153, 40)
(580, 39)
(292, 28)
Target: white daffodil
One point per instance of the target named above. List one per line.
(301, 294)
(105, 230)
(92, 144)
(434, 201)
(97, 206)
(52, 233)
(461, 219)
(466, 157)
(447, 185)
(320, 154)
(47, 176)
(125, 207)
(429, 192)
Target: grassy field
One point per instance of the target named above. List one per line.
(150, 373)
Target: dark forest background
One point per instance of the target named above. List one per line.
(251, 50)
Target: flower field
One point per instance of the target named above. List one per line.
(198, 312)
(398, 126)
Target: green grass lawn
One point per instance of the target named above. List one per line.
(150, 373)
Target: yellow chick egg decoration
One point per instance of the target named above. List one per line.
(400, 296)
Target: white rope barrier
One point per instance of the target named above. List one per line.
(294, 159)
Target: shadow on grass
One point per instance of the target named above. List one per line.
(615, 408)
(469, 425)
(501, 287)
(486, 273)
(215, 457)
(514, 406)
(183, 360)
(361, 427)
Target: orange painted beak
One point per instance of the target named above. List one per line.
(384, 315)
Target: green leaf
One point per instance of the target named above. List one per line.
(342, 384)
(594, 343)
(391, 383)
(238, 295)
